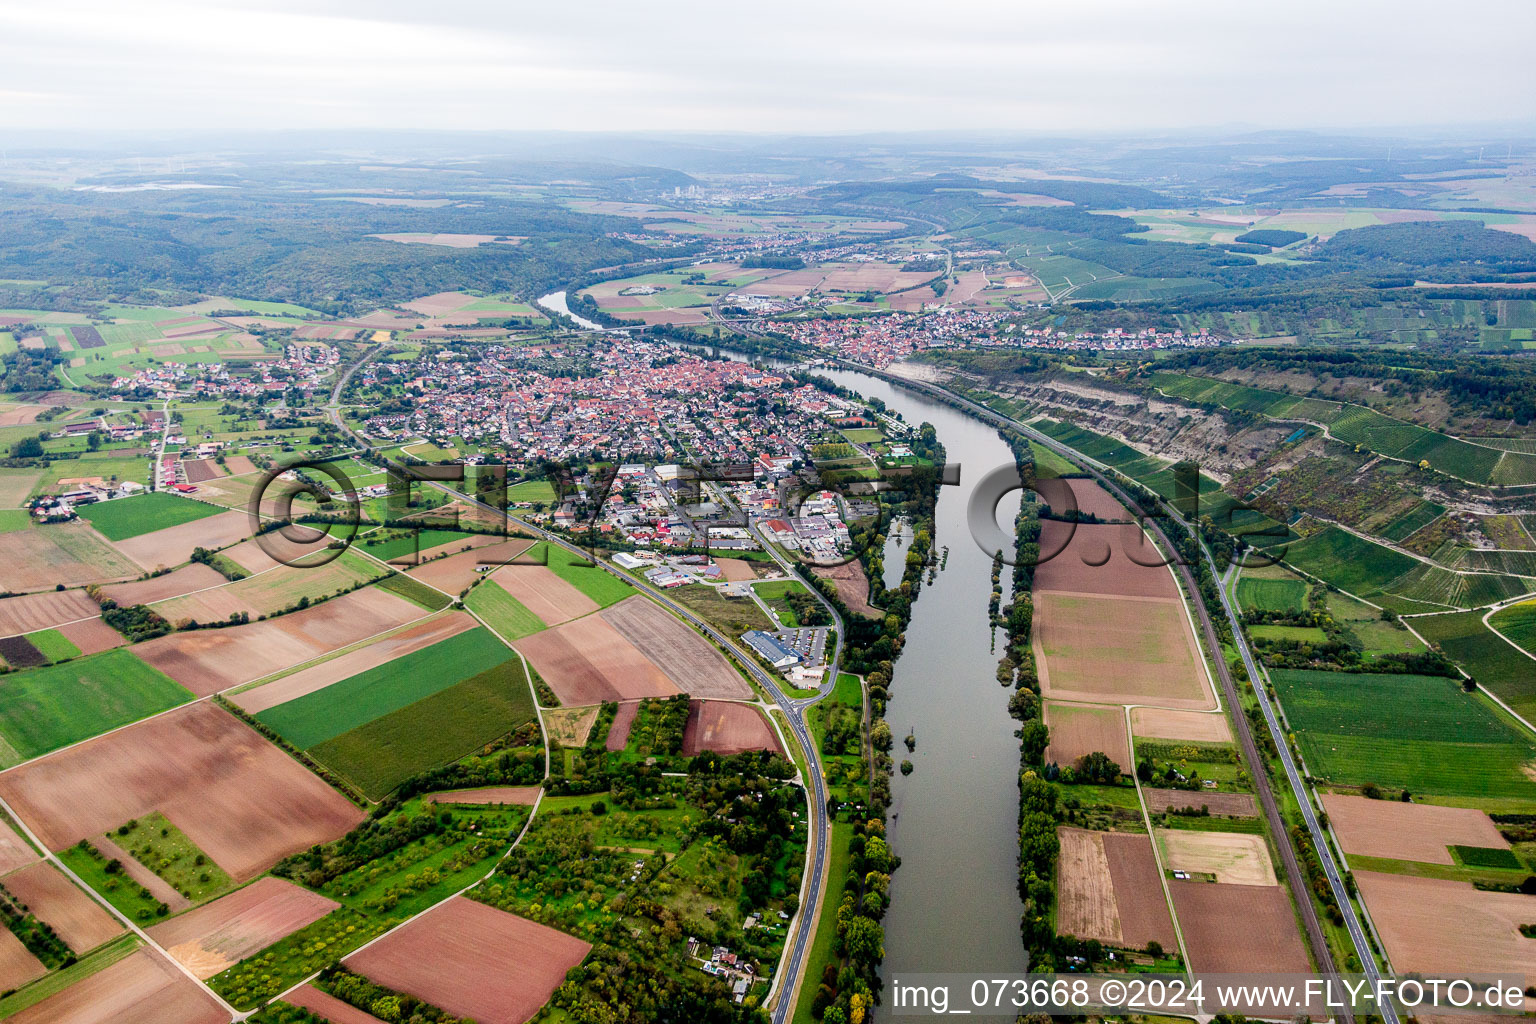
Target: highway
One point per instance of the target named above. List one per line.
(792, 962)
(1322, 956)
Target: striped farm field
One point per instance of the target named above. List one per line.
(1518, 623)
(1419, 733)
(1271, 595)
(1498, 666)
(327, 713)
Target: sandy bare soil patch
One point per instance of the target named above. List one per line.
(243, 801)
(455, 572)
(345, 666)
(1421, 832)
(209, 660)
(142, 988)
(1138, 893)
(1225, 805)
(1232, 928)
(735, 570)
(570, 727)
(92, 636)
(473, 961)
(133, 868)
(1191, 726)
(327, 1007)
(1079, 729)
(185, 580)
(623, 721)
(726, 728)
(17, 965)
(689, 660)
(518, 796)
(1235, 858)
(174, 545)
(542, 592)
(1085, 898)
(587, 660)
(1093, 648)
(1447, 928)
(15, 852)
(852, 587)
(222, 933)
(39, 611)
(54, 899)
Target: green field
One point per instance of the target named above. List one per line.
(531, 490)
(1365, 630)
(502, 612)
(144, 513)
(401, 543)
(12, 519)
(1271, 595)
(1486, 857)
(43, 709)
(122, 892)
(598, 584)
(1300, 634)
(1518, 623)
(1419, 733)
(415, 591)
(1498, 666)
(163, 848)
(54, 645)
(433, 731)
(1348, 562)
(346, 705)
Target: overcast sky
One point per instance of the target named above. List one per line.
(789, 65)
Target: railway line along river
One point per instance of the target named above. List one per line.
(954, 901)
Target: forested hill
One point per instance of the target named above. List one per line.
(279, 247)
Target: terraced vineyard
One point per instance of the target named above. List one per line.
(1397, 581)
(1357, 425)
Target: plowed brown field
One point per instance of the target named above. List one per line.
(220, 934)
(1421, 832)
(142, 989)
(687, 658)
(586, 661)
(473, 961)
(54, 899)
(243, 801)
(209, 660)
(40, 611)
(726, 728)
(542, 592)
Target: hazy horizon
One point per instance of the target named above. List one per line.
(1101, 67)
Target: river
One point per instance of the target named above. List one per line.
(954, 820)
(555, 302)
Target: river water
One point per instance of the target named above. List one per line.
(954, 820)
(556, 301)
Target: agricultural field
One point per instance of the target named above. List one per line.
(43, 709)
(1109, 890)
(1081, 729)
(690, 661)
(1419, 733)
(176, 764)
(1398, 831)
(145, 513)
(1093, 648)
(1271, 595)
(509, 617)
(1517, 623)
(1497, 665)
(1430, 924)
